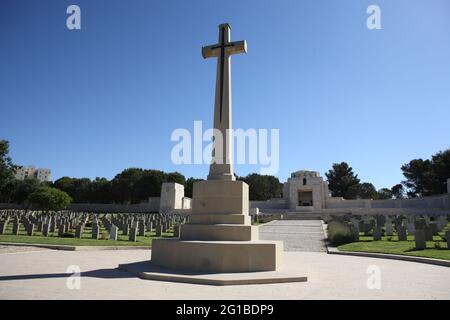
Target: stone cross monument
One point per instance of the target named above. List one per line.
(219, 237)
(222, 167)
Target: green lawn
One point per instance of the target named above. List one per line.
(85, 240)
(436, 249)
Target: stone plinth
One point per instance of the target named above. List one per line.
(219, 237)
(220, 197)
(217, 256)
(219, 232)
(220, 218)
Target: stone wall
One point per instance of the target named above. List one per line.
(148, 207)
(439, 204)
(431, 202)
(269, 204)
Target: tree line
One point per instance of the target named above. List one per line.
(422, 178)
(132, 185)
(135, 185)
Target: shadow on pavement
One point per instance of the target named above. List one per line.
(100, 273)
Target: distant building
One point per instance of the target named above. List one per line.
(306, 191)
(31, 172)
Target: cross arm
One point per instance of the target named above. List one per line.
(237, 47)
(210, 51)
(230, 48)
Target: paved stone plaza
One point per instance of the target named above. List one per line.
(41, 274)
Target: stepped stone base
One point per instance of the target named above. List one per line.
(219, 237)
(219, 232)
(149, 271)
(217, 256)
(219, 218)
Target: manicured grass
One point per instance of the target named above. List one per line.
(85, 240)
(399, 247)
(436, 249)
(257, 223)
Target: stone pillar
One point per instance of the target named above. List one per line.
(222, 167)
(172, 195)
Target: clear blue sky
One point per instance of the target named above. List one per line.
(93, 102)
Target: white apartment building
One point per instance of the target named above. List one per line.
(40, 174)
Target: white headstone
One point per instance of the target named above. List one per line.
(389, 230)
(113, 233)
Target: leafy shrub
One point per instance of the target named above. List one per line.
(47, 198)
(340, 233)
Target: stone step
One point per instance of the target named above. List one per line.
(220, 219)
(217, 256)
(219, 232)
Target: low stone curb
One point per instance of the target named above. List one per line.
(73, 248)
(437, 262)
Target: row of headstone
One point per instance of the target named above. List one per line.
(421, 227)
(49, 223)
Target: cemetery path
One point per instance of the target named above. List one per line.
(48, 274)
(16, 249)
(297, 235)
